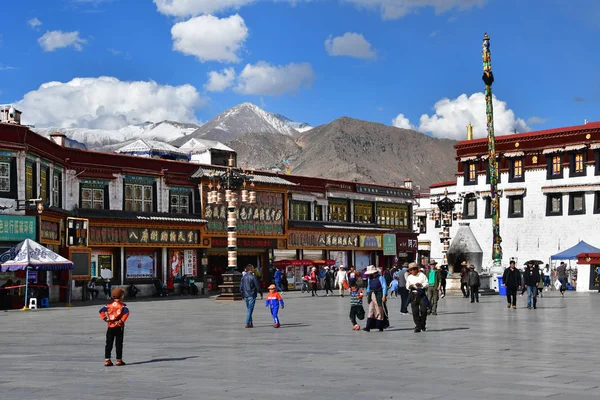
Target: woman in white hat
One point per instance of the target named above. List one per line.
(341, 280)
(376, 297)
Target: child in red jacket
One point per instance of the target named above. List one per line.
(274, 300)
(115, 314)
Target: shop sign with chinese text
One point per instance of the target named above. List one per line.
(143, 236)
(389, 245)
(16, 228)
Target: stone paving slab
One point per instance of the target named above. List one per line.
(198, 348)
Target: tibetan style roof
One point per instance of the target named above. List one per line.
(146, 145)
(266, 179)
(201, 145)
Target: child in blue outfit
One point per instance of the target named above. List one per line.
(273, 301)
(393, 289)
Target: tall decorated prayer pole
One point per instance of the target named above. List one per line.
(488, 79)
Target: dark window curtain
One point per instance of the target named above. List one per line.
(106, 198)
(197, 202)
(154, 197)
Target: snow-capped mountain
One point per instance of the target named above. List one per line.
(238, 121)
(299, 126)
(166, 131)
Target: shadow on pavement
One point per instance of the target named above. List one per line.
(456, 313)
(295, 325)
(462, 328)
(156, 360)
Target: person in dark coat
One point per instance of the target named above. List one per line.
(531, 278)
(511, 279)
(474, 283)
(464, 279)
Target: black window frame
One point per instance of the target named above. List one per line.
(468, 199)
(550, 158)
(511, 207)
(422, 224)
(572, 172)
(318, 212)
(488, 207)
(572, 203)
(549, 198)
(487, 174)
(511, 170)
(597, 162)
(597, 202)
(467, 173)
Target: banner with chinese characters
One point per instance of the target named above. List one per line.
(263, 217)
(323, 240)
(407, 244)
(16, 228)
(143, 236)
(190, 262)
(389, 245)
(371, 241)
(50, 232)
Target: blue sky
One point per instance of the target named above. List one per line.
(388, 61)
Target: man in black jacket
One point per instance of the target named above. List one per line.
(511, 279)
(531, 277)
(249, 288)
(474, 283)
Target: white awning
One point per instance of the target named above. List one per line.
(310, 198)
(514, 192)
(553, 150)
(593, 146)
(510, 154)
(574, 147)
(471, 158)
(570, 189)
(424, 245)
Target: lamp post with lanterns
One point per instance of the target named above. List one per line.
(225, 186)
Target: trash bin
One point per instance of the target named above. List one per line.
(501, 287)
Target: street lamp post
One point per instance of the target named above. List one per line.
(230, 182)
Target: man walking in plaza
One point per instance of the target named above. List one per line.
(474, 283)
(249, 288)
(561, 275)
(404, 293)
(531, 277)
(433, 290)
(464, 279)
(277, 280)
(416, 283)
(511, 279)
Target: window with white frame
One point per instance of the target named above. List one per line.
(4, 177)
(179, 202)
(138, 197)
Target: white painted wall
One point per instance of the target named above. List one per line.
(535, 236)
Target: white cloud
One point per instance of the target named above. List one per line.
(6, 67)
(536, 120)
(34, 23)
(350, 44)
(210, 38)
(52, 40)
(393, 9)
(270, 80)
(217, 82)
(188, 8)
(402, 122)
(108, 103)
(451, 118)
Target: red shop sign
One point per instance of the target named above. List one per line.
(246, 243)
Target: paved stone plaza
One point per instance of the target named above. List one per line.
(199, 349)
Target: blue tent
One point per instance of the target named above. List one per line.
(571, 254)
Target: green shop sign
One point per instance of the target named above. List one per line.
(389, 245)
(15, 228)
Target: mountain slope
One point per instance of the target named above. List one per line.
(264, 151)
(352, 149)
(238, 121)
(298, 126)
